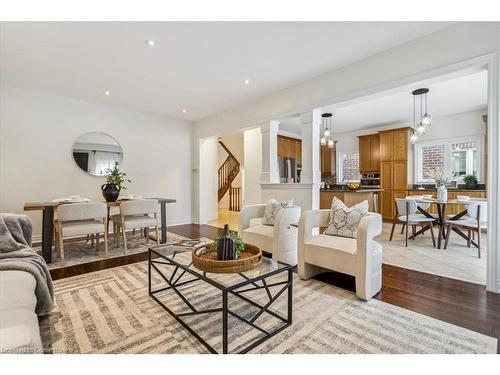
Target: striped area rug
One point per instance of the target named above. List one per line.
(110, 312)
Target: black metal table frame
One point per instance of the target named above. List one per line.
(441, 207)
(225, 310)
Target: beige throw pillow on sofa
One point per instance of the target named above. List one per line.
(272, 210)
(344, 220)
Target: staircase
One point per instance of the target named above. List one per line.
(227, 173)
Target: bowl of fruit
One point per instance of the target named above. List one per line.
(353, 185)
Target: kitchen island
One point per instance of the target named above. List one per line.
(350, 197)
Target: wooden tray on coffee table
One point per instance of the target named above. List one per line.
(205, 259)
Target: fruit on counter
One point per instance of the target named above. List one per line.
(353, 185)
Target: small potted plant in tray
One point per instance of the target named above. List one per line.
(470, 182)
(229, 245)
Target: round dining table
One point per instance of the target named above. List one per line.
(441, 219)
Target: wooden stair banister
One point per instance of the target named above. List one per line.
(227, 172)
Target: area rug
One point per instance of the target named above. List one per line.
(110, 312)
(81, 251)
(456, 262)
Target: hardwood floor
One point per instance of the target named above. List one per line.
(457, 302)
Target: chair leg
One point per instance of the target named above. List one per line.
(403, 228)
(406, 236)
(469, 237)
(479, 243)
(124, 236)
(392, 230)
(157, 235)
(92, 240)
(106, 244)
(431, 227)
(413, 231)
(56, 243)
(97, 236)
(447, 237)
(61, 249)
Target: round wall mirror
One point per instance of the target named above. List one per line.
(94, 153)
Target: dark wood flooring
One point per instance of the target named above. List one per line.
(457, 302)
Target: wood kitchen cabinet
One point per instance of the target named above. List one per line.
(386, 145)
(326, 160)
(369, 153)
(393, 169)
(290, 148)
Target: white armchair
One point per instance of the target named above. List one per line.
(279, 239)
(360, 257)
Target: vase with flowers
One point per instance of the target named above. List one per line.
(441, 179)
(115, 182)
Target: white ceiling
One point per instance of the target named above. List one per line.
(446, 97)
(199, 66)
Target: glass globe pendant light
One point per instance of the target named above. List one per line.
(326, 137)
(420, 127)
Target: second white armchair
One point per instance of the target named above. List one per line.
(360, 257)
(279, 239)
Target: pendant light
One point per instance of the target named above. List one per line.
(326, 135)
(420, 121)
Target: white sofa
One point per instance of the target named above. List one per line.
(19, 329)
(360, 257)
(279, 239)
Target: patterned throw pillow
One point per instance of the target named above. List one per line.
(344, 221)
(272, 210)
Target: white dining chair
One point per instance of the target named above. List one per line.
(475, 220)
(80, 219)
(406, 215)
(136, 214)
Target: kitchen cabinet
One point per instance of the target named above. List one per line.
(369, 153)
(326, 160)
(393, 169)
(386, 144)
(290, 148)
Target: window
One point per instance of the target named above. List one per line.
(458, 157)
(348, 164)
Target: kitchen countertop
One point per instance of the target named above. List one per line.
(351, 191)
(449, 189)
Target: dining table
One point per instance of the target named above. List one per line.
(441, 219)
(48, 209)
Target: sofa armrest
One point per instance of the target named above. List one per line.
(369, 227)
(312, 219)
(248, 213)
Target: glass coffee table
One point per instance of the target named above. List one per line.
(182, 281)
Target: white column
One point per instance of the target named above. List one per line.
(311, 173)
(310, 126)
(270, 172)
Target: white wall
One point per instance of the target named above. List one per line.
(37, 131)
(253, 166)
(208, 166)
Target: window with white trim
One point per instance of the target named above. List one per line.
(348, 167)
(458, 156)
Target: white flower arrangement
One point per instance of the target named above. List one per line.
(438, 175)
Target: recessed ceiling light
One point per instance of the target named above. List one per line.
(246, 82)
(107, 93)
(184, 111)
(150, 42)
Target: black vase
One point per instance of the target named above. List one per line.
(110, 192)
(226, 247)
